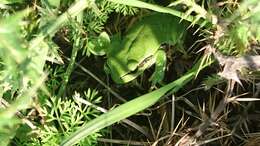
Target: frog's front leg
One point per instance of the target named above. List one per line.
(160, 65)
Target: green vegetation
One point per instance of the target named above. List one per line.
(129, 72)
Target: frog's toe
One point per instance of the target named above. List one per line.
(157, 77)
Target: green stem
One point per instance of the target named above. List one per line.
(69, 70)
(76, 47)
(72, 12)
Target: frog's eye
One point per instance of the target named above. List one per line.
(132, 64)
(164, 45)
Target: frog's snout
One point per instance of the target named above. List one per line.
(132, 64)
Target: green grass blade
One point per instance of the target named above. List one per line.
(141, 4)
(130, 108)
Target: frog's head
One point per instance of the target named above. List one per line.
(125, 71)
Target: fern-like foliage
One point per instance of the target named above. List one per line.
(62, 117)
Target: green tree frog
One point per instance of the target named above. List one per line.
(139, 49)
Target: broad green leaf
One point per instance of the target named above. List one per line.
(161, 9)
(130, 108)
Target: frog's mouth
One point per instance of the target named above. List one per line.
(132, 75)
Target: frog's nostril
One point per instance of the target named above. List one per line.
(132, 64)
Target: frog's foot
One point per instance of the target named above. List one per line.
(160, 66)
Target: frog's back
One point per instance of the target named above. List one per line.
(167, 27)
(155, 29)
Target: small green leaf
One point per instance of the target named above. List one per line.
(54, 3)
(99, 46)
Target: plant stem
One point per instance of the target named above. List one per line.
(50, 30)
(76, 47)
